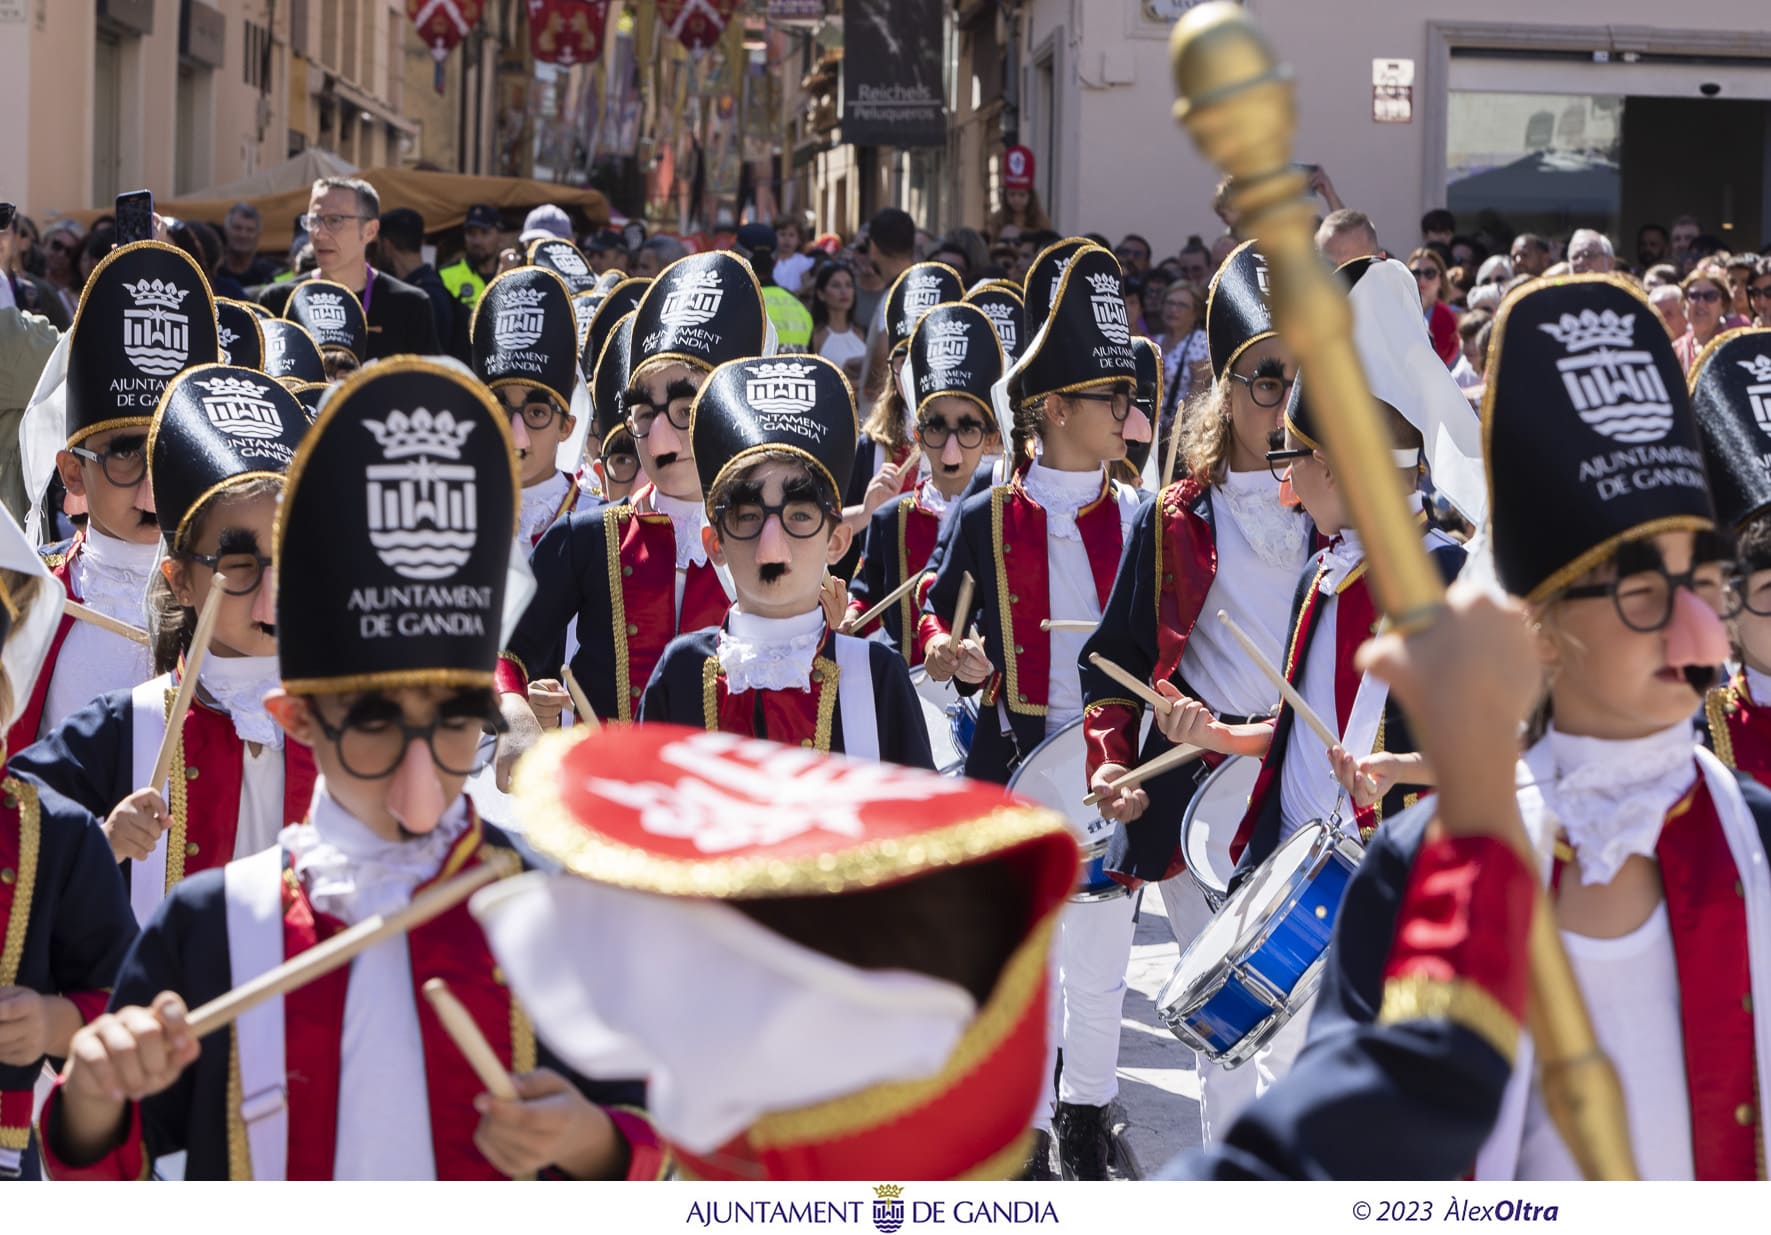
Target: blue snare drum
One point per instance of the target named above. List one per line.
(1260, 959)
(941, 707)
(1054, 775)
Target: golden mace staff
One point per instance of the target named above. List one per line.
(1239, 104)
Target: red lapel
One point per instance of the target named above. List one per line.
(1187, 562)
(1740, 728)
(313, 1028)
(1355, 618)
(299, 775)
(1707, 913)
(212, 799)
(1024, 600)
(918, 530)
(704, 598)
(1103, 538)
(646, 618)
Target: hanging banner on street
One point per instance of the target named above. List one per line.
(891, 73)
(567, 31)
(696, 24)
(442, 24)
(804, 11)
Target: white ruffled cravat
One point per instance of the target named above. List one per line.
(1611, 798)
(238, 685)
(540, 501)
(350, 873)
(1758, 685)
(686, 520)
(1274, 531)
(1340, 559)
(1062, 495)
(758, 653)
(114, 575)
(938, 503)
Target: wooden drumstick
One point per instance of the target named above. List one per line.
(1066, 624)
(1317, 725)
(962, 612)
(468, 1039)
(580, 704)
(323, 958)
(187, 686)
(1124, 678)
(1155, 767)
(888, 600)
(75, 609)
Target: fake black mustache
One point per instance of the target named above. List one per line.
(772, 572)
(663, 461)
(1701, 677)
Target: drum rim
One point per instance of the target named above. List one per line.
(1329, 842)
(1187, 817)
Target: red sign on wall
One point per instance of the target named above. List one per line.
(567, 31)
(442, 24)
(697, 24)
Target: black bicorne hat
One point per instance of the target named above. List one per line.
(310, 394)
(801, 404)
(563, 258)
(954, 351)
(1086, 338)
(145, 316)
(218, 425)
(1040, 287)
(1238, 308)
(1731, 398)
(916, 291)
(702, 310)
(608, 381)
(290, 353)
(404, 584)
(1147, 390)
(1299, 417)
(242, 338)
(1000, 301)
(524, 334)
(1589, 436)
(583, 309)
(615, 304)
(332, 314)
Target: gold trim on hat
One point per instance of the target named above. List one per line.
(1587, 560)
(479, 300)
(247, 308)
(105, 426)
(1211, 291)
(1025, 361)
(556, 832)
(1715, 345)
(388, 679)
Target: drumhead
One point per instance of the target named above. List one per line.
(1054, 775)
(1246, 914)
(1212, 816)
(934, 698)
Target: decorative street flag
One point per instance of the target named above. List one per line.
(567, 31)
(697, 24)
(442, 24)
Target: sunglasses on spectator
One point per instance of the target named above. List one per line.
(1708, 295)
(1423, 273)
(1762, 292)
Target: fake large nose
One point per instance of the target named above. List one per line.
(1695, 636)
(519, 432)
(415, 797)
(773, 545)
(1137, 425)
(951, 452)
(665, 437)
(144, 497)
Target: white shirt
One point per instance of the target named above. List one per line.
(383, 1095)
(1257, 594)
(540, 503)
(1070, 582)
(1631, 987)
(790, 271)
(261, 801)
(686, 521)
(111, 576)
(759, 653)
(1307, 787)
(843, 346)
(1758, 685)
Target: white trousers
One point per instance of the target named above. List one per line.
(1225, 1092)
(1093, 948)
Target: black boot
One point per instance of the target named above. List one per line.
(1082, 1141)
(1041, 1160)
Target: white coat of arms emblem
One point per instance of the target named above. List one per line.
(519, 319)
(1613, 385)
(421, 498)
(156, 336)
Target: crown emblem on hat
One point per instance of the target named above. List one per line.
(1587, 329)
(237, 406)
(1759, 367)
(156, 292)
(780, 368)
(420, 433)
(523, 297)
(888, 1192)
(1104, 283)
(233, 387)
(699, 278)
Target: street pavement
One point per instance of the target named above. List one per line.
(1158, 1087)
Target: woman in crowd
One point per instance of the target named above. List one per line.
(1706, 308)
(1429, 275)
(835, 334)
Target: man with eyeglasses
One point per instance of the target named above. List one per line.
(525, 348)
(387, 676)
(635, 574)
(770, 439)
(146, 315)
(216, 472)
(952, 360)
(343, 219)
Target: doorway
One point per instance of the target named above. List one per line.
(1704, 157)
